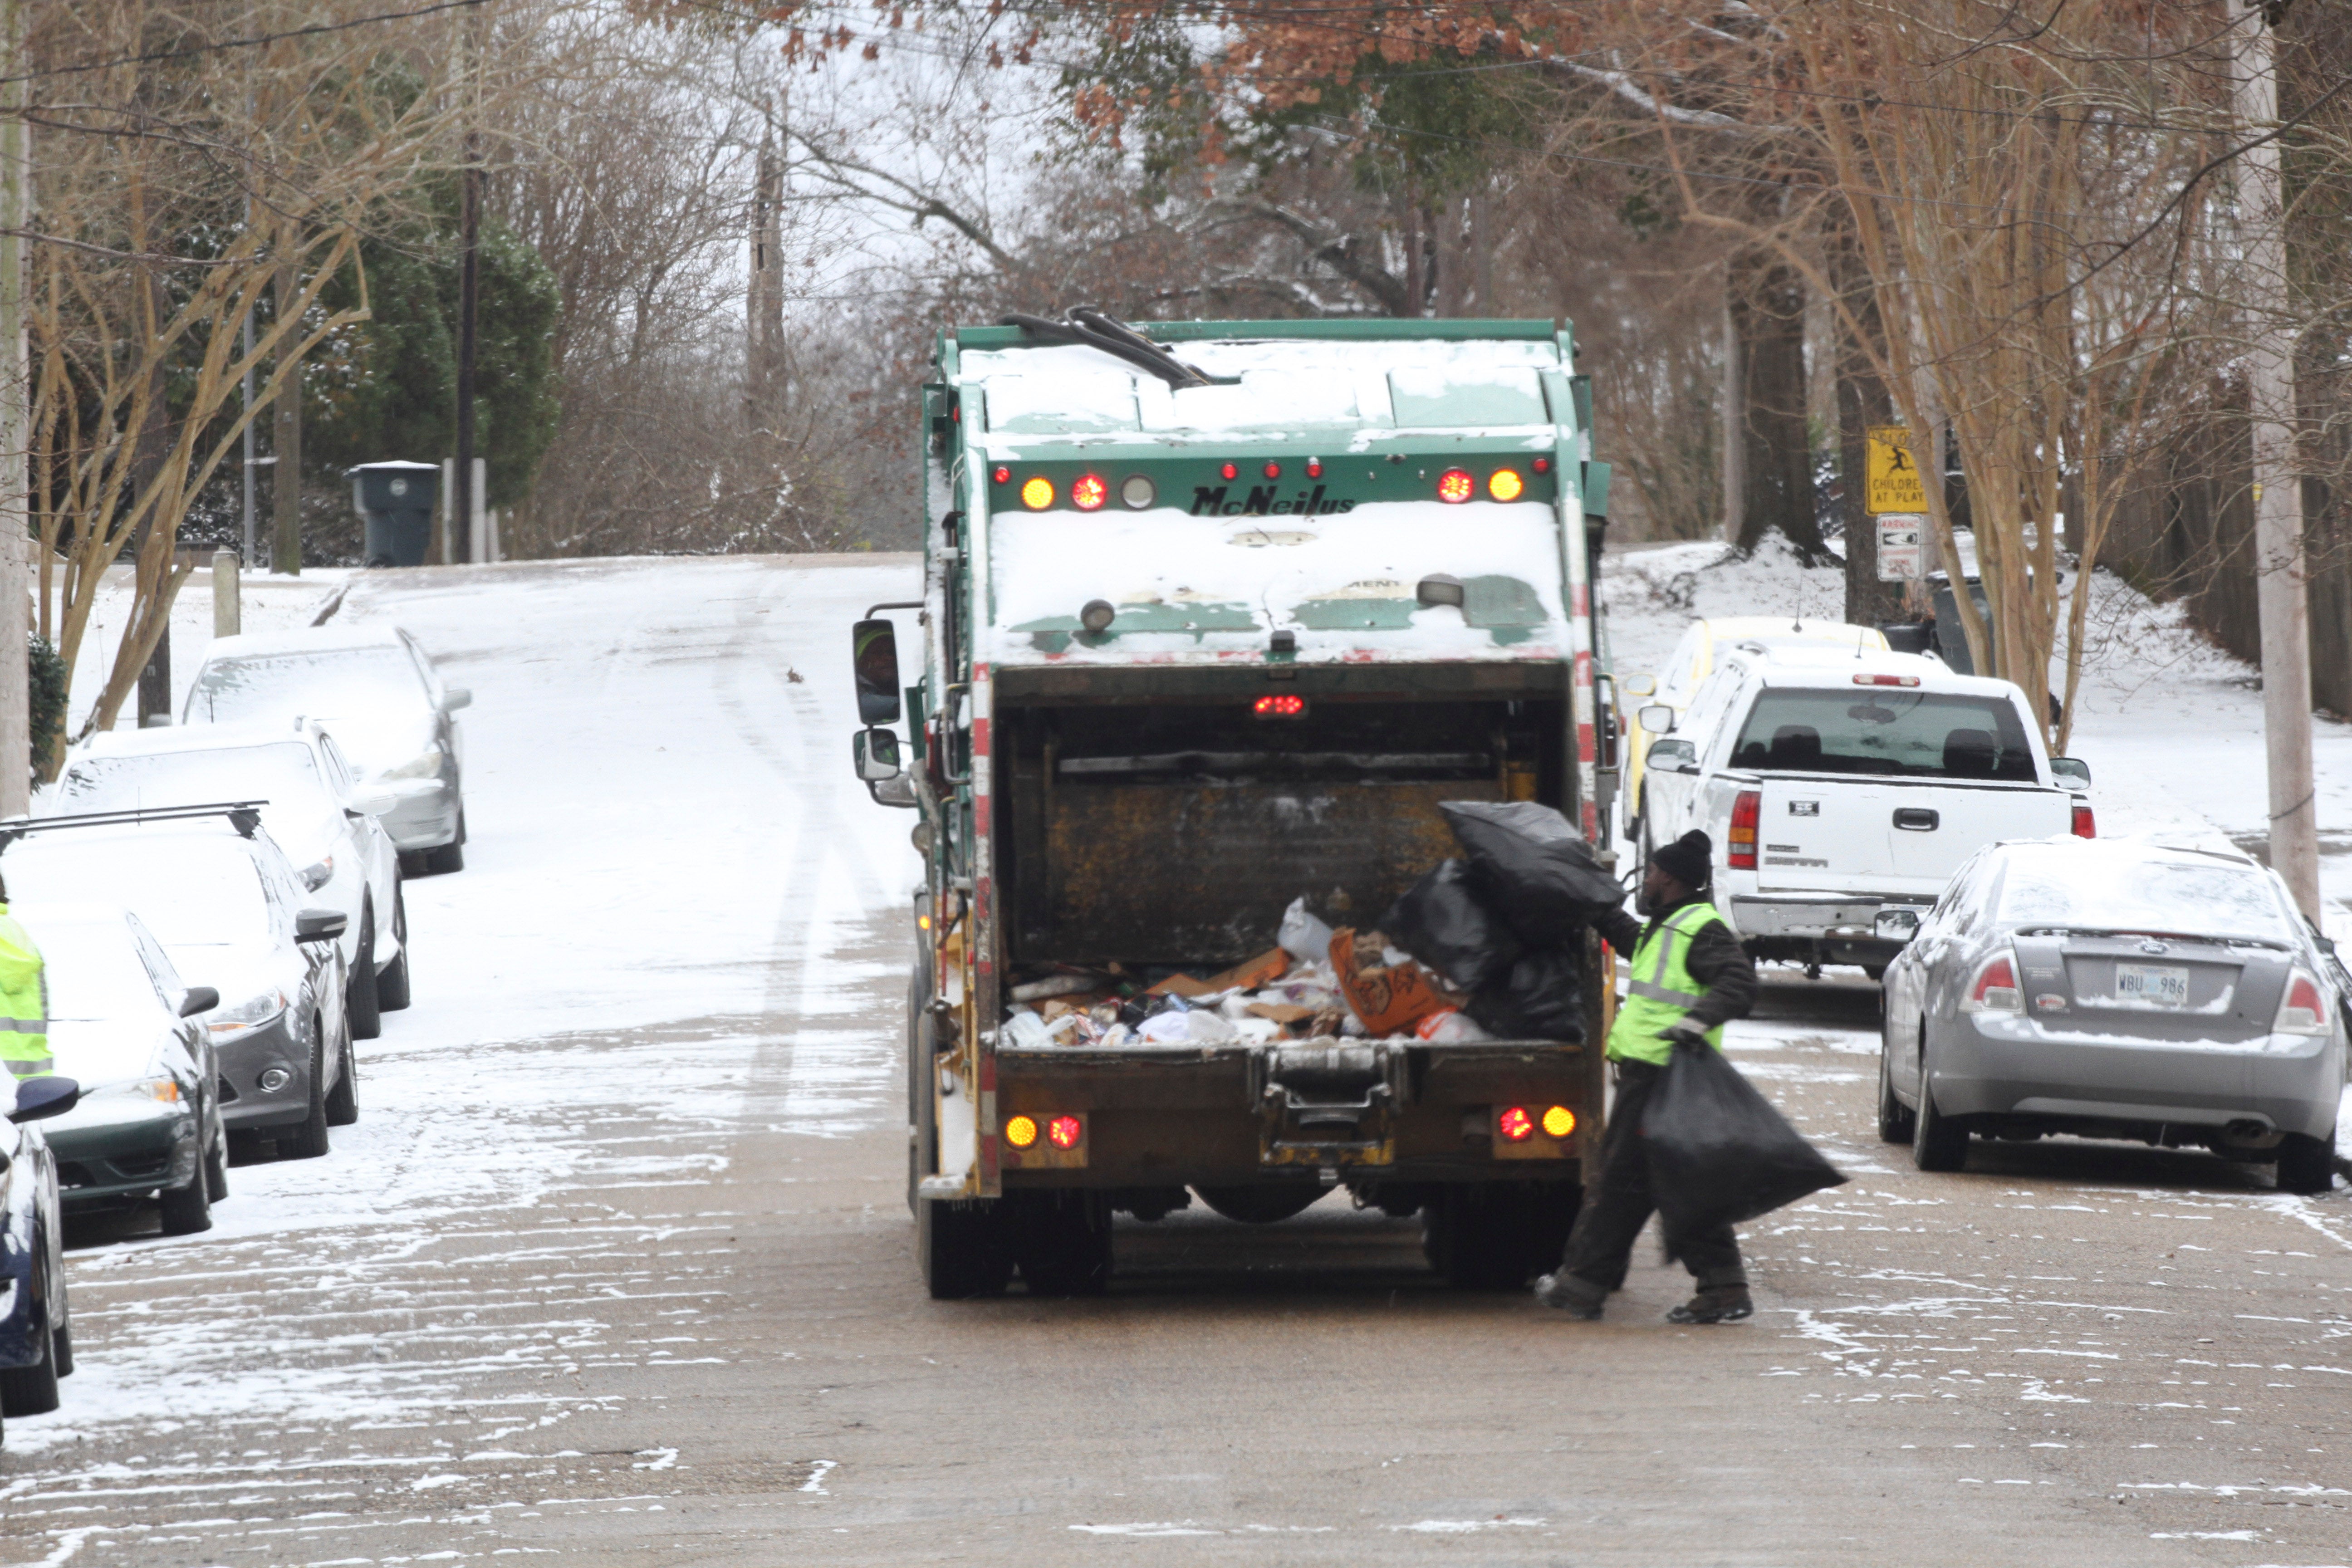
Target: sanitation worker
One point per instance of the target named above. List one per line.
(23, 1002)
(1689, 975)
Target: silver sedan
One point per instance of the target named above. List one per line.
(2107, 988)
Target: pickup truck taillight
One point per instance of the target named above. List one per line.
(1746, 813)
(2085, 825)
(1994, 989)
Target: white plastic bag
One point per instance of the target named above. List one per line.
(1303, 936)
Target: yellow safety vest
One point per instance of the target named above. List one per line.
(23, 1002)
(1661, 990)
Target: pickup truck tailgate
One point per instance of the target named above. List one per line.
(1839, 833)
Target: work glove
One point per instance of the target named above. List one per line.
(1684, 1035)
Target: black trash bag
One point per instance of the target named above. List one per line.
(1531, 867)
(1441, 922)
(1538, 999)
(1718, 1152)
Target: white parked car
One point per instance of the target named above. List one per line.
(376, 691)
(1836, 783)
(318, 813)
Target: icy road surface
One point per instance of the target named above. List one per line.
(615, 1269)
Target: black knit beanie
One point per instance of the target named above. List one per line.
(1688, 859)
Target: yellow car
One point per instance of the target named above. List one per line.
(1694, 659)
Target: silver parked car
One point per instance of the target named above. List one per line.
(376, 691)
(2108, 988)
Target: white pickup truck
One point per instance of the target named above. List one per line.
(1835, 784)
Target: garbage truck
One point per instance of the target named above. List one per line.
(1215, 616)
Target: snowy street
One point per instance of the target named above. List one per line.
(615, 1265)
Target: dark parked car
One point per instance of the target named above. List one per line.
(229, 908)
(2113, 988)
(36, 1333)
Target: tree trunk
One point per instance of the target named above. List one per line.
(1767, 327)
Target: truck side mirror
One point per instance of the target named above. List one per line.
(874, 661)
(1658, 719)
(1677, 756)
(1641, 686)
(2071, 770)
(876, 754)
(1896, 925)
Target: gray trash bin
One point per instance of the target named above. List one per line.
(396, 501)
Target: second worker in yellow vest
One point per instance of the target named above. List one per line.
(1688, 977)
(24, 1001)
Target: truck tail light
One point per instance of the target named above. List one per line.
(1505, 484)
(1887, 680)
(1065, 1132)
(1456, 486)
(1088, 492)
(1021, 1131)
(1001, 474)
(1230, 471)
(1281, 705)
(1994, 990)
(2305, 1009)
(1746, 811)
(1037, 492)
(1516, 1125)
(1558, 1122)
(1314, 468)
(2085, 825)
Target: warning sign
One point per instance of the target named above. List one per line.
(1902, 547)
(1891, 479)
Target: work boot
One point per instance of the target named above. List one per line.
(1571, 1295)
(1715, 1304)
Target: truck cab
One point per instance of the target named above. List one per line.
(1214, 616)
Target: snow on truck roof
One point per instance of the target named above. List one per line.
(1327, 528)
(1808, 663)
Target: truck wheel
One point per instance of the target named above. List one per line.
(961, 1249)
(1061, 1241)
(2306, 1164)
(1893, 1116)
(1263, 1205)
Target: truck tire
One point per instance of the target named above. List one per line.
(1061, 1242)
(1496, 1236)
(1263, 1205)
(961, 1249)
(2306, 1164)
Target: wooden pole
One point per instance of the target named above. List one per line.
(16, 425)
(228, 593)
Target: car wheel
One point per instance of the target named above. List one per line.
(1894, 1118)
(1937, 1143)
(188, 1211)
(413, 863)
(391, 986)
(33, 1390)
(343, 1100)
(308, 1141)
(358, 987)
(2306, 1164)
(216, 1167)
(450, 856)
(62, 1349)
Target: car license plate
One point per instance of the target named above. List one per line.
(2165, 985)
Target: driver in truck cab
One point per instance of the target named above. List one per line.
(1689, 978)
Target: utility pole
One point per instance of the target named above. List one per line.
(16, 425)
(763, 315)
(286, 424)
(469, 244)
(2281, 588)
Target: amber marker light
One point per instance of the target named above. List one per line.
(1516, 1125)
(1021, 1131)
(1558, 1122)
(1037, 492)
(1088, 492)
(1456, 486)
(1505, 484)
(1064, 1132)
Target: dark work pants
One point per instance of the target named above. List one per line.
(1618, 1203)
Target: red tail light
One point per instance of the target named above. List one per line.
(1088, 492)
(1516, 1125)
(1543, 465)
(2085, 825)
(1994, 990)
(1230, 471)
(1887, 680)
(1746, 811)
(1002, 474)
(1274, 471)
(1314, 468)
(1456, 486)
(1064, 1132)
(2304, 1011)
(1281, 706)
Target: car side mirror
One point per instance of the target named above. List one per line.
(2073, 770)
(1674, 755)
(198, 999)
(1896, 925)
(877, 754)
(38, 1098)
(1641, 686)
(373, 801)
(874, 663)
(456, 697)
(319, 925)
(1658, 719)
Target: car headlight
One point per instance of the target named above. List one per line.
(251, 1013)
(428, 766)
(316, 874)
(166, 1089)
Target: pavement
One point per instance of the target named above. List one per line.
(622, 1274)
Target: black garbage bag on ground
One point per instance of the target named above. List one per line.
(1537, 999)
(1441, 922)
(1531, 867)
(1718, 1152)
